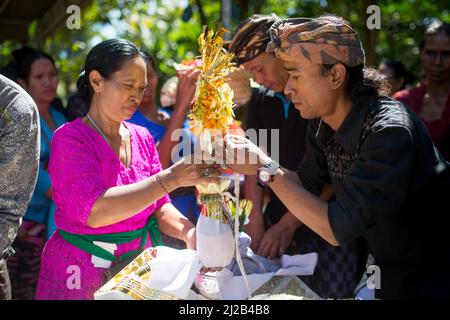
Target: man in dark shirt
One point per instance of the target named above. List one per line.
(267, 119)
(271, 112)
(388, 178)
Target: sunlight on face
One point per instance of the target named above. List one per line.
(267, 71)
(43, 81)
(123, 92)
(308, 89)
(150, 91)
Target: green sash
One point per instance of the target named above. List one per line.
(85, 241)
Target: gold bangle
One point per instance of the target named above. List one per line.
(161, 183)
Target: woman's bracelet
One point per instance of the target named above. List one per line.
(161, 183)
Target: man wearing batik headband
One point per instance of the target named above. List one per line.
(273, 231)
(389, 180)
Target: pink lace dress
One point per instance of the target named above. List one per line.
(82, 167)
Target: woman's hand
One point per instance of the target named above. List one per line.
(183, 101)
(184, 173)
(243, 156)
(187, 80)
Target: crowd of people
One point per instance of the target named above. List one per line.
(360, 177)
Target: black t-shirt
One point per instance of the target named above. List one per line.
(266, 111)
(390, 185)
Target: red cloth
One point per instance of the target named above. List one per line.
(439, 129)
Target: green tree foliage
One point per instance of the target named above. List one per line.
(169, 29)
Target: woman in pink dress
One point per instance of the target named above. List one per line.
(107, 178)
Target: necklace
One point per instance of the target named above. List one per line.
(106, 139)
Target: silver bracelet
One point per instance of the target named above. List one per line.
(161, 183)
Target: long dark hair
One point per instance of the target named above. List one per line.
(107, 57)
(362, 82)
(24, 59)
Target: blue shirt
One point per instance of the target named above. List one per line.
(40, 204)
(285, 101)
(156, 130)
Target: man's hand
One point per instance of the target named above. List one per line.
(255, 229)
(275, 241)
(278, 237)
(243, 156)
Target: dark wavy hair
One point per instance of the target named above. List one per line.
(361, 81)
(107, 57)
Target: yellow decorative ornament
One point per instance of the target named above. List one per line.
(210, 119)
(212, 112)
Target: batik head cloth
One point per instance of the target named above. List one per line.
(324, 40)
(252, 37)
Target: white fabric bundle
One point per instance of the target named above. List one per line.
(215, 242)
(159, 273)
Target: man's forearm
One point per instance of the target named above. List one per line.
(291, 220)
(255, 195)
(309, 209)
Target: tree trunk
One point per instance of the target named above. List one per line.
(369, 36)
(244, 9)
(201, 12)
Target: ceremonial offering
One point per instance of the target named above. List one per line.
(210, 119)
(159, 273)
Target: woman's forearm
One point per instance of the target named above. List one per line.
(122, 202)
(172, 222)
(309, 209)
(166, 144)
(255, 194)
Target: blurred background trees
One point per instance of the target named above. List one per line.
(168, 29)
